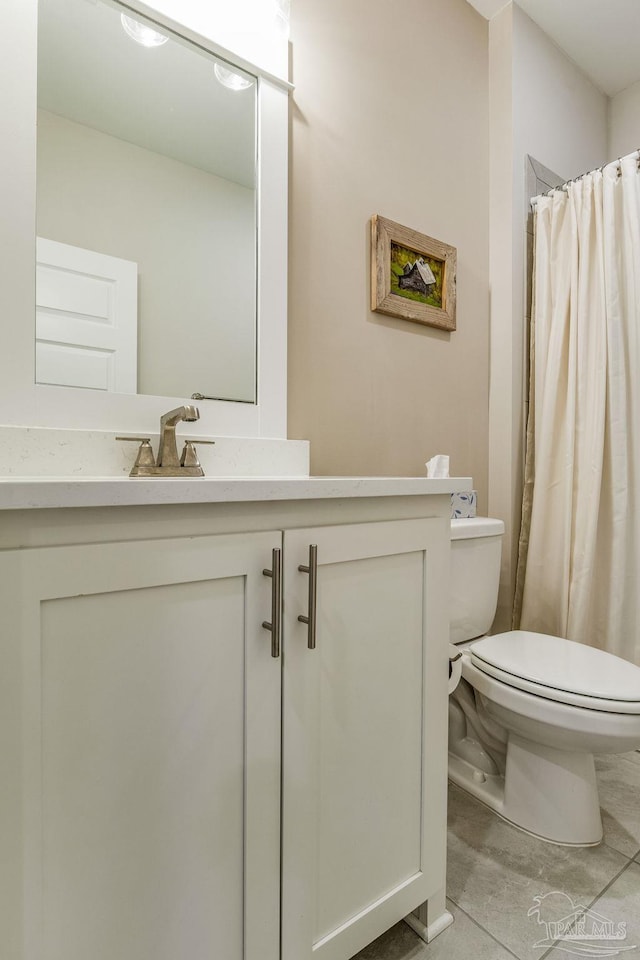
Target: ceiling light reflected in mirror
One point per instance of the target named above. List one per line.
(141, 33)
(231, 79)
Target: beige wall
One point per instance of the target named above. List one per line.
(624, 122)
(542, 105)
(390, 116)
(192, 235)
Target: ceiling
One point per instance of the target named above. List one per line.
(601, 36)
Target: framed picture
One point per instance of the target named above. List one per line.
(412, 276)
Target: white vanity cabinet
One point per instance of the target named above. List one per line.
(151, 743)
(364, 746)
(159, 808)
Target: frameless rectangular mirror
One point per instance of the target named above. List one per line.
(146, 273)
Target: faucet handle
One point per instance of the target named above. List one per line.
(189, 462)
(189, 456)
(145, 456)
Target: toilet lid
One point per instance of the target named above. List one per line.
(560, 665)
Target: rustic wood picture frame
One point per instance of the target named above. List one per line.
(384, 233)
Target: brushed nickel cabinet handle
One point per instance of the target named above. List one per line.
(275, 626)
(310, 620)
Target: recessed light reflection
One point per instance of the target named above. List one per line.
(234, 81)
(141, 33)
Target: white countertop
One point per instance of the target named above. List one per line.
(25, 493)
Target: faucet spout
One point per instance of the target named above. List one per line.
(167, 449)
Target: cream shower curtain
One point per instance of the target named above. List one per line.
(582, 573)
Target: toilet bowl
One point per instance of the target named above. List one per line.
(530, 710)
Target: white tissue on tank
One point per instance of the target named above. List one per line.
(438, 466)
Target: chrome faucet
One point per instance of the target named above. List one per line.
(167, 463)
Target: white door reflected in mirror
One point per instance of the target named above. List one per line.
(86, 318)
(143, 156)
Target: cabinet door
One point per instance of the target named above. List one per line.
(364, 733)
(150, 732)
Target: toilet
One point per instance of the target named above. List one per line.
(530, 710)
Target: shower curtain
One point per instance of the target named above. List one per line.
(579, 567)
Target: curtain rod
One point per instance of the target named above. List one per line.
(565, 186)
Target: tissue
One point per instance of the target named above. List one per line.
(438, 466)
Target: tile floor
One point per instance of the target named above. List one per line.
(495, 871)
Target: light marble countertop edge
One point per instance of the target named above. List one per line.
(24, 493)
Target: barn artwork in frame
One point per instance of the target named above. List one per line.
(412, 276)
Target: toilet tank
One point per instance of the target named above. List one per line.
(476, 547)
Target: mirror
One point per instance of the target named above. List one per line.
(146, 209)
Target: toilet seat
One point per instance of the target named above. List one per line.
(557, 669)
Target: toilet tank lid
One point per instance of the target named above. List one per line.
(466, 529)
